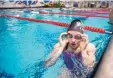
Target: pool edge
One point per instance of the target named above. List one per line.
(105, 68)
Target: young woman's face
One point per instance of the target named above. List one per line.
(74, 38)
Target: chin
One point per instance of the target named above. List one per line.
(73, 47)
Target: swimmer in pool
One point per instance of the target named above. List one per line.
(78, 53)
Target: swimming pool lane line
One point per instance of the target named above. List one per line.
(100, 11)
(62, 13)
(85, 15)
(89, 28)
(91, 11)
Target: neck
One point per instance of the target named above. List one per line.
(72, 49)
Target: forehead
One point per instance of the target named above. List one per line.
(74, 32)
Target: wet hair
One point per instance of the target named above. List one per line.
(76, 25)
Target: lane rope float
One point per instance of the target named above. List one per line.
(86, 15)
(89, 28)
(93, 11)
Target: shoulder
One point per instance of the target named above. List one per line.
(91, 47)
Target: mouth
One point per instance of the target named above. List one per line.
(73, 44)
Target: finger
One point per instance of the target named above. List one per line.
(84, 36)
(63, 33)
(60, 38)
(67, 41)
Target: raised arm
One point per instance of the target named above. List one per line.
(89, 55)
(51, 60)
(57, 51)
(88, 51)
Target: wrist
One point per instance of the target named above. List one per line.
(62, 47)
(60, 50)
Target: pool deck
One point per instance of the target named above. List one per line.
(105, 69)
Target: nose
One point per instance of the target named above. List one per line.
(73, 40)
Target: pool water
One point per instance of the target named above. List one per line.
(24, 44)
